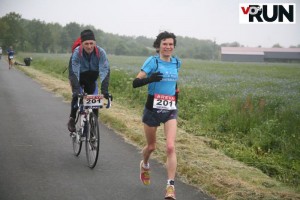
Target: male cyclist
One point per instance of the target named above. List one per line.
(88, 62)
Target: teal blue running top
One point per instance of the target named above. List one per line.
(167, 85)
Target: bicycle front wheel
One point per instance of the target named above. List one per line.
(92, 141)
(76, 136)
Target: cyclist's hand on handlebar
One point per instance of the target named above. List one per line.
(75, 94)
(76, 91)
(78, 94)
(108, 96)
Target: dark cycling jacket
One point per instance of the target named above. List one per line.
(10, 53)
(90, 64)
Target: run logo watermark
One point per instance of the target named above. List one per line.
(267, 13)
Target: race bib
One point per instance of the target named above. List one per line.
(11, 57)
(164, 102)
(93, 101)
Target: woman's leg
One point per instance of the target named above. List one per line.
(150, 134)
(170, 130)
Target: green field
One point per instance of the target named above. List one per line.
(250, 111)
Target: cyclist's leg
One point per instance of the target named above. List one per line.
(71, 122)
(74, 107)
(74, 86)
(96, 88)
(95, 111)
(89, 80)
(92, 88)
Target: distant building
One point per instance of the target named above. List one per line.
(249, 54)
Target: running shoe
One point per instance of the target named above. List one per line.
(170, 192)
(144, 174)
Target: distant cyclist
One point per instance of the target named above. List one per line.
(88, 62)
(0, 52)
(10, 56)
(160, 72)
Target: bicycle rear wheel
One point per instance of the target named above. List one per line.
(92, 141)
(76, 141)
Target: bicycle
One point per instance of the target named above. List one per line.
(87, 127)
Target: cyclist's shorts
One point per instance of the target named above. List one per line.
(155, 117)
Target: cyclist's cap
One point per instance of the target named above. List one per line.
(87, 35)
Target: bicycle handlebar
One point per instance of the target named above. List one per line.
(109, 99)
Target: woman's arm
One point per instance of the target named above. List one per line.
(141, 79)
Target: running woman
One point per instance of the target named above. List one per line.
(160, 72)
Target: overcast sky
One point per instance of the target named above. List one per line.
(202, 19)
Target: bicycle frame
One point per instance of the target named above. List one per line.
(84, 119)
(86, 104)
(87, 127)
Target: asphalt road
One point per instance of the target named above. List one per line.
(36, 160)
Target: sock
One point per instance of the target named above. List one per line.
(170, 182)
(146, 166)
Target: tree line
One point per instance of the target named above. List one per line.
(38, 36)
